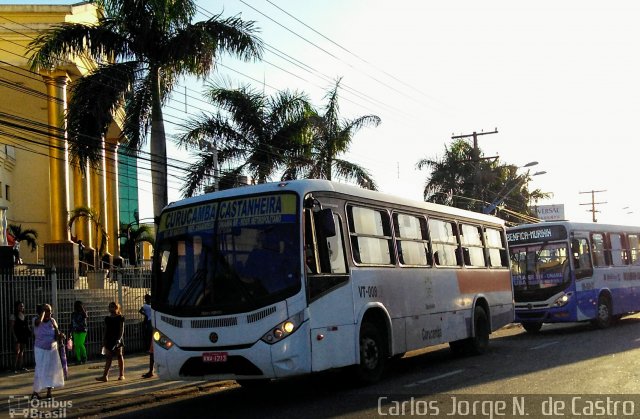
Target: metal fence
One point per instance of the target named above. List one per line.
(35, 284)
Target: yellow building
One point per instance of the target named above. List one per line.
(38, 183)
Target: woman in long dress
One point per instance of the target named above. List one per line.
(48, 372)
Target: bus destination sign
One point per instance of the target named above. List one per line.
(257, 210)
(536, 234)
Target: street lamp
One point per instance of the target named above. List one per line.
(489, 209)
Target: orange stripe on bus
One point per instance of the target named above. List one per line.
(471, 281)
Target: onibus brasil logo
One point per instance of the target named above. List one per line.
(25, 407)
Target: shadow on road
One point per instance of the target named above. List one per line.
(332, 394)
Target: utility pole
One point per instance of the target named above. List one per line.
(475, 154)
(593, 203)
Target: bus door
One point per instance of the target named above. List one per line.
(583, 274)
(330, 301)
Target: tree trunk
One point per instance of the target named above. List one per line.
(158, 149)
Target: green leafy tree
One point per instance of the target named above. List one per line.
(257, 132)
(134, 236)
(482, 184)
(27, 235)
(331, 137)
(143, 48)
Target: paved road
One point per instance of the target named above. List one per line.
(566, 369)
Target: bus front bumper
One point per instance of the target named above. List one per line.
(524, 314)
(288, 357)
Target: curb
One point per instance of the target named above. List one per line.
(126, 402)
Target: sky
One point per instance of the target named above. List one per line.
(558, 80)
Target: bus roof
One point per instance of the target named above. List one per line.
(578, 226)
(305, 186)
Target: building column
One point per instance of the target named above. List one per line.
(56, 83)
(81, 199)
(113, 200)
(60, 252)
(99, 196)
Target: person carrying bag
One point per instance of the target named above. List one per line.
(113, 343)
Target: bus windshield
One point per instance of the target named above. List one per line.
(539, 270)
(227, 262)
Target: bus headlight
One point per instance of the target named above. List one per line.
(161, 339)
(284, 329)
(562, 300)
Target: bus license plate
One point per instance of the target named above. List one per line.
(214, 357)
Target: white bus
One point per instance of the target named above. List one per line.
(567, 272)
(283, 279)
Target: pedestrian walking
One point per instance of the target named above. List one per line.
(145, 310)
(79, 332)
(48, 371)
(113, 342)
(19, 326)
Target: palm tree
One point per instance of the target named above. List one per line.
(258, 131)
(331, 137)
(452, 177)
(89, 214)
(459, 180)
(133, 236)
(27, 235)
(149, 45)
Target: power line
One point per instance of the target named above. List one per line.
(177, 101)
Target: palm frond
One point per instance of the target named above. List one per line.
(63, 41)
(353, 172)
(94, 100)
(28, 235)
(194, 49)
(138, 105)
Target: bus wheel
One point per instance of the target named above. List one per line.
(372, 354)
(477, 344)
(532, 327)
(603, 316)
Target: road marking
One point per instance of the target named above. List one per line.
(544, 345)
(437, 377)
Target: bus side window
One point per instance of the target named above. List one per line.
(411, 240)
(618, 249)
(581, 258)
(445, 244)
(496, 248)
(328, 244)
(634, 249)
(335, 250)
(599, 249)
(371, 235)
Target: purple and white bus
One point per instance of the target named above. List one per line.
(569, 272)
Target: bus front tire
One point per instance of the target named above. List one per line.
(603, 316)
(373, 355)
(479, 342)
(532, 327)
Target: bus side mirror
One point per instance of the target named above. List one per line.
(325, 222)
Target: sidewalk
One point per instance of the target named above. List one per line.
(83, 396)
